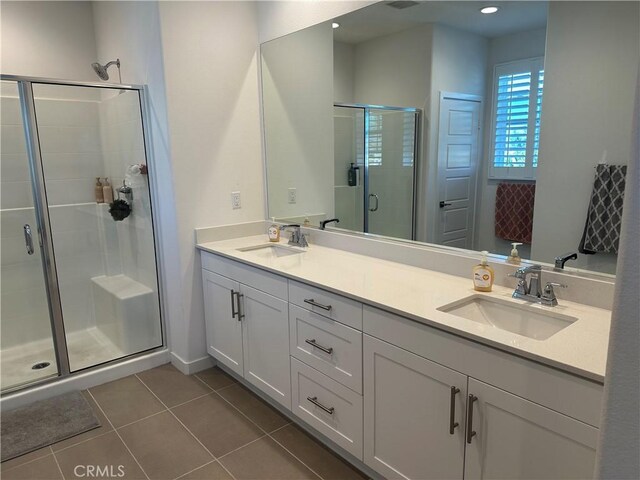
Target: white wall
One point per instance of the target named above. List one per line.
(503, 49)
(343, 72)
(48, 39)
(279, 18)
(590, 73)
(298, 117)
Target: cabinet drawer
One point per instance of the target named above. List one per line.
(329, 407)
(330, 305)
(254, 277)
(328, 346)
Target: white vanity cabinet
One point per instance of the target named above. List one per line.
(414, 414)
(510, 437)
(409, 400)
(410, 407)
(247, 324)
(224, 331)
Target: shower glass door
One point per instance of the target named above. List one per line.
(91, 145)
(382, 143)
(26, 340)
(391, 153)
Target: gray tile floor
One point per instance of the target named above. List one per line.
(161, 424)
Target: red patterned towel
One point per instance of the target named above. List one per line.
(514, 211)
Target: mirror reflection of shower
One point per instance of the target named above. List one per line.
(375, 155)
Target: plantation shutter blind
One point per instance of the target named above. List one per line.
(517, 109)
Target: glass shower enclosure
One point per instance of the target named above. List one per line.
(79, 277)
(375, 153)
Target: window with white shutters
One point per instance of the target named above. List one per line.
(517, 108)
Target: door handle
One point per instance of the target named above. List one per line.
(452, 410)
(444, 204)
(28, 239)
(374, 209)
(470, 432)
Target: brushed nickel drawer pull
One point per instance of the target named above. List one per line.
(313, 343)
(313, 303)
(452, 410)
(315, 401)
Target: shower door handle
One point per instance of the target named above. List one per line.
(374, 209)
(28, 239)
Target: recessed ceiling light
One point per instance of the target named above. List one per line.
(489, 10)
(335, 25)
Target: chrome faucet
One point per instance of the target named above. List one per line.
(297, 238)
(532, 290)
(562, 259)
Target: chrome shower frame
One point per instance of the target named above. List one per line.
(27, 105)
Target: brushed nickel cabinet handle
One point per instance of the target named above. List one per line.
(239, 305)
(315, 401)
(452, 410)
(470, 432)
(313, 303)
(313, 343)
(233, 304)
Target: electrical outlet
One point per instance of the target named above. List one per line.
(235, 200)
(293, 195)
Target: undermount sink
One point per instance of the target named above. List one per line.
(271, 250)
(526, 320)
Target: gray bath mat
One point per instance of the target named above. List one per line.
(42, 423)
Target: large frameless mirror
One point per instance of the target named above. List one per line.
(434, 122)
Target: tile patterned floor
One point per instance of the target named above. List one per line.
(161, 424)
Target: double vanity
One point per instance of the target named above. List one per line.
(406, 370)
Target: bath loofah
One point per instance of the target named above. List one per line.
(119, 210)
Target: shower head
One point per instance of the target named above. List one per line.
(101, 70)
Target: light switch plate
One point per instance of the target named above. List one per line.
(235, 200)
(293, 195)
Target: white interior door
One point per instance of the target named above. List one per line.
(458, 159)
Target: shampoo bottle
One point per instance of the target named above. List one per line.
(107, 191)
(99, 191)
(483, 275)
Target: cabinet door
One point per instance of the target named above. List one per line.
(266, 343)
(407, 414)
(515, 438)
(224, 331)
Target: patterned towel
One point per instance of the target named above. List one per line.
(514, 211)
(604, 218)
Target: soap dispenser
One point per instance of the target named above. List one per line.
(514, 256)
(483, 275)
(274, 231)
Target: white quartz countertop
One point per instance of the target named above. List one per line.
(417, 293)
